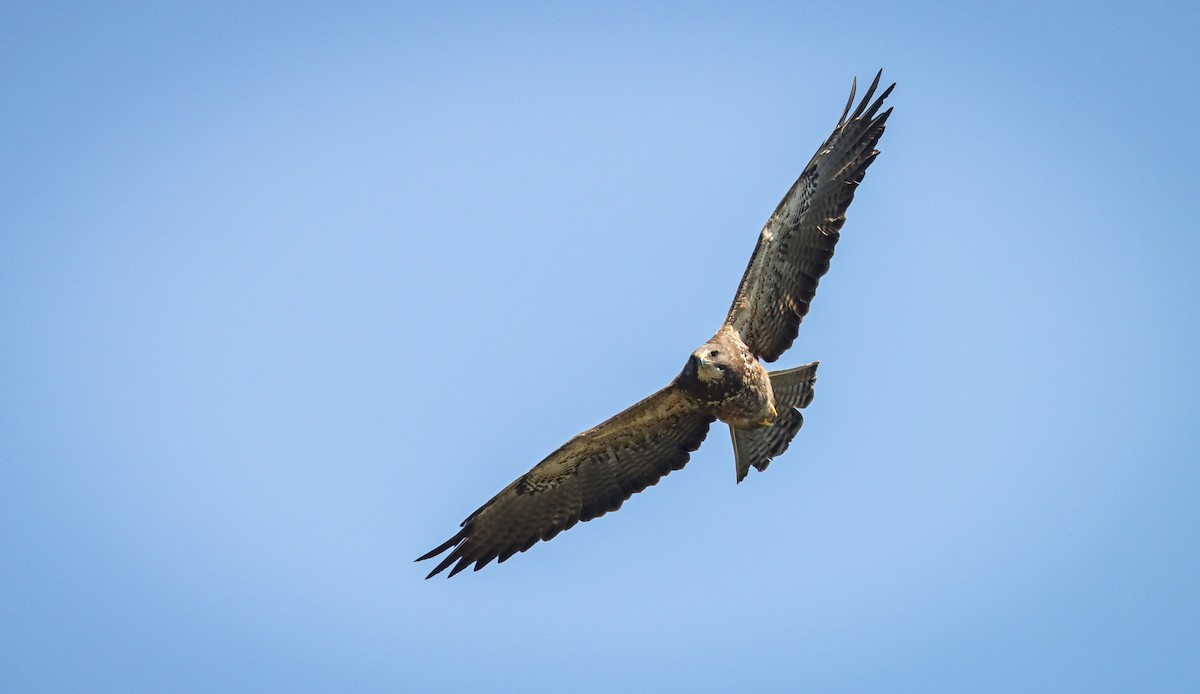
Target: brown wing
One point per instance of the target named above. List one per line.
(796, 244)
(590, 475)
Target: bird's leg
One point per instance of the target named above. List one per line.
(770, 418)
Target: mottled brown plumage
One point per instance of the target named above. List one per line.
(596, 471)
(588, 476)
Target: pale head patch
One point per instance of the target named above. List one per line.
(708, 372)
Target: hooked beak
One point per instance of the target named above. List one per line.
(702, 367)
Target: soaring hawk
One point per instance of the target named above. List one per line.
(596, 471)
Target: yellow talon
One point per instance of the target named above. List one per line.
(770, 418)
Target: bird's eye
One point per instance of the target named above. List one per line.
(714, 353)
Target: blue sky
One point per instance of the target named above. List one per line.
(290, 290)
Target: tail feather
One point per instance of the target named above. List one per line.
(793, 389)
(756, 447)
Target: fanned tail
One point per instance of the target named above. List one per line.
(793, 389)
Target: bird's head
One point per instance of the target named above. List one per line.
(712, 371)
(710, 364)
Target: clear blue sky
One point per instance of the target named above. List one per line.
(286, 292)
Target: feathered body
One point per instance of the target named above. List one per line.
(725, 378)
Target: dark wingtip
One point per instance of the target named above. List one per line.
(452, 542)
(463, 563)
(458, 537)
(862, 105)
(447, 561)
(850, 101)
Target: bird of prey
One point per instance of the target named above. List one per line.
(596, 471)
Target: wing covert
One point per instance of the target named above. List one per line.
(797, 242)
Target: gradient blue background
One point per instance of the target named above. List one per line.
(286, 292)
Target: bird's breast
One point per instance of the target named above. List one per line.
(752, 404)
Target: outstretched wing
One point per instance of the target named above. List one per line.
(796, 244)
(590, 475)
